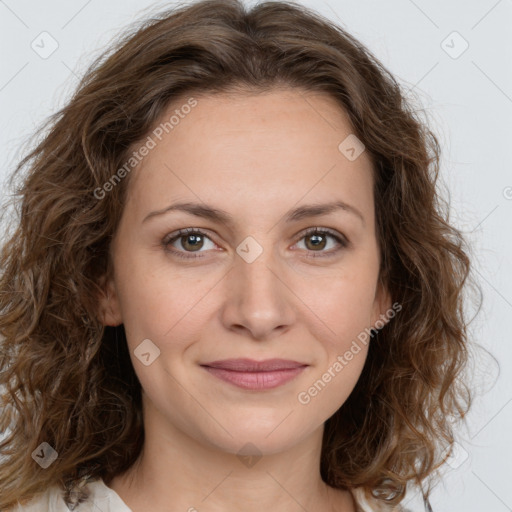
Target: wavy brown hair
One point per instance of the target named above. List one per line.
(68, 380)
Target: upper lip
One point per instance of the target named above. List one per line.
(251, 365)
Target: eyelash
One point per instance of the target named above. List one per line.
(168, 240)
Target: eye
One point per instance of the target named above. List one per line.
(190, 240)
(317, 239)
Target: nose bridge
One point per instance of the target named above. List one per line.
(258, 298)
(258, 276)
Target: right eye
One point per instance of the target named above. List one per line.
(190, 239)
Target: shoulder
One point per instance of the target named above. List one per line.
(48, 501)
(368, 504)
(97, 496)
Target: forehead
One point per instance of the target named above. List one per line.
(252, 149)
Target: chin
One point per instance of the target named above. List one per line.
(256, 437)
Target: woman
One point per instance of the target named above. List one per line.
(308, 357)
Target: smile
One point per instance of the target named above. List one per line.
(256, 380)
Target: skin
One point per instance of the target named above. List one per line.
(256, 156)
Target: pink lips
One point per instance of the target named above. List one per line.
(251, 374)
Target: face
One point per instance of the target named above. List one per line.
(248, 270)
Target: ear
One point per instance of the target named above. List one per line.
(382, 307)
(109, 310)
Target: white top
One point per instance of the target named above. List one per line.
(106, 499)
(101, 498)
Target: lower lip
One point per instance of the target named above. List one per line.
(256, 380)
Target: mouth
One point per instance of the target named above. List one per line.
(256, 375)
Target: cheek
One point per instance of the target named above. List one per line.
(160, 302)
(344, 310)
(339, 306)
(330, 387)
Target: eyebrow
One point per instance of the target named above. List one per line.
(221, 216)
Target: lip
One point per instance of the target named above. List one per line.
(252, 374)
(251, 365)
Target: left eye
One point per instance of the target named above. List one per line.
(317, 238)
(192, 240)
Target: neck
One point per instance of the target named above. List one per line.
(177, 472)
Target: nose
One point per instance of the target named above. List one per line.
(258, 300)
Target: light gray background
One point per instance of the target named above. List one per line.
(469, 100)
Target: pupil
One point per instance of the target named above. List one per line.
(317, 240)
(195, 238)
